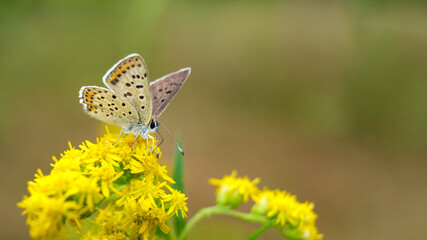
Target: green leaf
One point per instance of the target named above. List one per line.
(179, 168)
(179, 222)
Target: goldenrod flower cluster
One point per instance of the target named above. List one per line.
(120, 191)
(294, 219)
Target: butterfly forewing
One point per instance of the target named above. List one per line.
(129, 80)
(103, 104)
(164, 89)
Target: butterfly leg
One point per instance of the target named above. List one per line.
(152, 145)
(135, 139)
(120, 134)
(146, 139)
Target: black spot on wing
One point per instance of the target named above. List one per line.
(115, 81)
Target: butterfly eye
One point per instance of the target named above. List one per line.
(153, 124)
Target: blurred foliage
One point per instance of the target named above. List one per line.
(358, 71)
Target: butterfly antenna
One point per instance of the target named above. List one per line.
(170, 135)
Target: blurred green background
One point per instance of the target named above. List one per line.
(326, 99)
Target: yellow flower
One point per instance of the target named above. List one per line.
(107, 175)
(113, 236)
(89, 235)
(307, 217)
(296, 219)
(82, 179)
(46, 214)
(109, 220)
(144, 220)
(99, 152)
(70, 160)
(177, 201)
(143, 191)
(262, 201)
(89, 192)
(149, 167)
(232, 190)
(282, 207)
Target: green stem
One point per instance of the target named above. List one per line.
(260, 231)
(172, 234)
(209, 211)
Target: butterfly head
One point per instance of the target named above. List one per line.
(153, 125)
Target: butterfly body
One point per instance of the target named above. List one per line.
(131, 101)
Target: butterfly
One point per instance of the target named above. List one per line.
(131, 101)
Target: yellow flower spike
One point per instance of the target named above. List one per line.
(83, 178)
(280, 209)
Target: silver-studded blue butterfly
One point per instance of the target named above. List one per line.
(131, 101)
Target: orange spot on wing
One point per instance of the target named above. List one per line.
(90, 94)
(122, 70)
(116, 73)
(127, 66)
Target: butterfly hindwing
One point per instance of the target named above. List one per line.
(128, 78)
(164, 89)
(103, 104)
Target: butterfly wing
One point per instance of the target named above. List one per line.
(128, 78)
(164, 89)
(103, 104)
